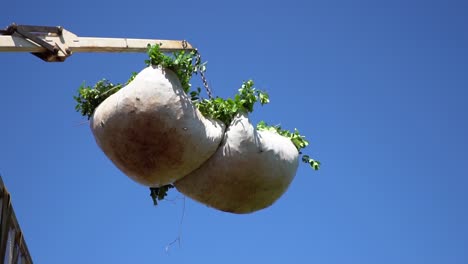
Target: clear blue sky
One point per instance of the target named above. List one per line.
(379, 88)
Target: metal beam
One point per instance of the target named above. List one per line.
(16, 43)
(59, 44)
(123, 45)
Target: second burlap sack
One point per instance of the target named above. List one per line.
(250, 170)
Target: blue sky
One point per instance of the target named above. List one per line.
(379, 88)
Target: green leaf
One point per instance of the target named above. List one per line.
(159, 193)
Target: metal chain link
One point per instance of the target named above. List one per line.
(202, 74)
(203, 77)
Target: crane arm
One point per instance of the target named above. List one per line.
(56, 44)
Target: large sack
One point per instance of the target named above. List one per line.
(249, 172)
(152, 132)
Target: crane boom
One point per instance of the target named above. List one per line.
(56, 44)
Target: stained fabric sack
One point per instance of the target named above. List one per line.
(249, 171)
(152, 132)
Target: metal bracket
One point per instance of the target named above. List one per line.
(34, 34)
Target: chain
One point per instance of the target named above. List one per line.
(184, 44)
(202, 75)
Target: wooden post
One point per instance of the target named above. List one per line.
(5, 224)
(8, 223)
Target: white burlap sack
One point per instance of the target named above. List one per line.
(249, 172)
(152, 132)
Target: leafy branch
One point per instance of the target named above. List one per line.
(159, 193)
(315, 164)
(183, 64)
(89, 98)
(296, 138)
(225, 109)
